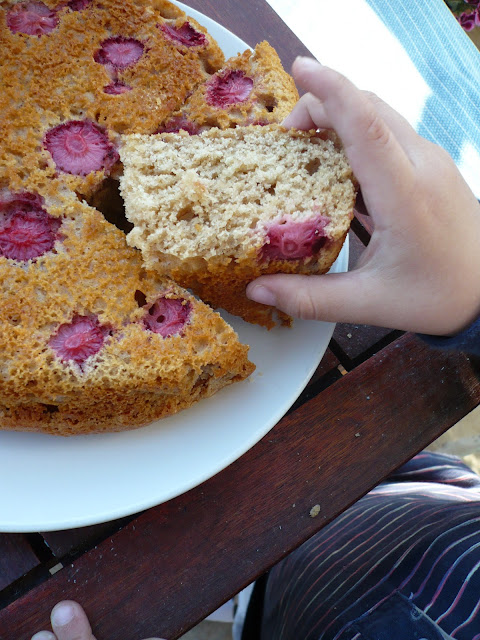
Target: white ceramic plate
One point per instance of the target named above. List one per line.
(49, 483)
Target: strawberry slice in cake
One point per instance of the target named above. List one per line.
(32, 18)
(80, 147)
(251, 88)
(290, 239)
(27, 231)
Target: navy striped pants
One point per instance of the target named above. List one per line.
(403, 563)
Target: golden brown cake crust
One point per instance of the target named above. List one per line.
(137, 375)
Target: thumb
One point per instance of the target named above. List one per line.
(70, 622)
(336, 297)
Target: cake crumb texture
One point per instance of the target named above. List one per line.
(216, 210)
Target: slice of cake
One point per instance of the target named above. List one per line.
(216, 210)
(89, 340)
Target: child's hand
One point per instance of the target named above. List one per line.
(421, 270)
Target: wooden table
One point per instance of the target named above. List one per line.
(377, 398)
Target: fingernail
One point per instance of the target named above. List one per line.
(262, 294)
(308, 63)
(43, 635)
(62, 614)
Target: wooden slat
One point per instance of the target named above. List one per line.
(70, 541)
(175, 563)
(365, 222)
(355, 340)
(16, 558)
(328, 364)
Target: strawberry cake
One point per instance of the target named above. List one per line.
(91, 340)
(93, 337)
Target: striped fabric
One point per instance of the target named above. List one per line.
(403, 563)
(412, 53)
(450, 64)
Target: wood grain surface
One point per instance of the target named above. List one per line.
(175, 563)
(16, 558)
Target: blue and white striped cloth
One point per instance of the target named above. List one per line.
(412, 53)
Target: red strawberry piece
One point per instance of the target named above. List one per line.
(292, 240)
(119, 52)
(167, 316)
(27, 231)
(78, 340)
(32, 18)
(186, 34)
(228, 87)
(80, 147)
(78, 5)
(116, 88)
(175, 124)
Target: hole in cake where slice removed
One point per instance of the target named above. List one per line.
(110, 203)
